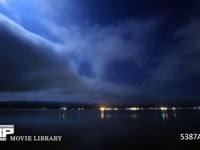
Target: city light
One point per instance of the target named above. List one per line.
(174, 108)
(63, 108)
(102, 109)
(81, 108)
(163, 108)
(133, 108)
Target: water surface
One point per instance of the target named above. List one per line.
(99, 130)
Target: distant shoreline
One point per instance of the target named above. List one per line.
(79, 106)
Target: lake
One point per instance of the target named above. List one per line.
(102, 130)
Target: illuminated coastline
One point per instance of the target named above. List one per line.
(104, 108)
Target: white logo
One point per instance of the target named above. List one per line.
(6, 130)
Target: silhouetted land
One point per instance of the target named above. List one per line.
(56, 105)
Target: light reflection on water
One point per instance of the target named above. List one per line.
(174, 113)
(135, 114)
(102, 114)
(113, 114)
(36, 115)
(163, 115)
(105, 128)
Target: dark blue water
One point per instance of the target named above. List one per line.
(95, 130)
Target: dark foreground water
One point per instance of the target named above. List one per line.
(95, 130)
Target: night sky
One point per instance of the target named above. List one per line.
(100, 51)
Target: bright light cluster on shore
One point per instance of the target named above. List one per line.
(148, 108)
(103, 108)
(63, 108)
(133, 108)
(107, 108)
(163, 108)
(106, 112)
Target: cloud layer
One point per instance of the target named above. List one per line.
(29, 62)
(120, 59)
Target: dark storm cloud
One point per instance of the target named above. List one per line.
(177, 73)
(142, 58)
(107, 12)
(28, 62)
(98, 46)
(123, 51)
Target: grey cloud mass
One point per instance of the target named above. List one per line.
(65, 52)
(28, 62)
(99, 46)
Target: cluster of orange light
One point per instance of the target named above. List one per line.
(107, 108)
